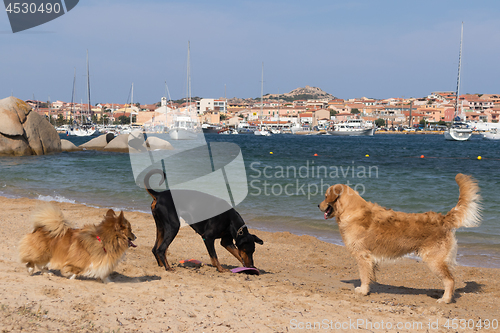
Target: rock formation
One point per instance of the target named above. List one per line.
(68, 146)
(25, 132)
(98, 143)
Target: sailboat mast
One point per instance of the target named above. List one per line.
(188, 80)
(261, 93)
(73, 95)
(459, 68)
(278, 108)
(131, 102)
(88, 85)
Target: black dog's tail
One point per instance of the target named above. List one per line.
(152, 192)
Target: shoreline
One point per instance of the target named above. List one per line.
(469, 259)
(303, 281)
(420, 132)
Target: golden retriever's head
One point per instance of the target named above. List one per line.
(331, 196)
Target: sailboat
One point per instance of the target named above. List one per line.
(84, 129)
(185, 125)
(459, 130)
(262, 131)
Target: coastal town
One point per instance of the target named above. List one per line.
(307, 106)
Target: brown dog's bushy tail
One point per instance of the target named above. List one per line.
(467, 212)
(50, 219)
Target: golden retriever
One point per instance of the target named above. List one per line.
(371, 232)
(93, 251)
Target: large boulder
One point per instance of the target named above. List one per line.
(24, 132)
(118, 144)
(67, 145)
(98, 143)
(154, 143)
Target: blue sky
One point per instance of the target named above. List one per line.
(349, 49)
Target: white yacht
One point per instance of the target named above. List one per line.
(353, 127)
(246, 128)
(458, 131)
(493, 134)
(184, 128)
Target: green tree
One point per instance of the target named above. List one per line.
(123, 120)
(380, 122)
(333, 112)
(441, 123)
(355, 111)
(60, 120)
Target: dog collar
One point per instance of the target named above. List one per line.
(99, 239)
(240, 230)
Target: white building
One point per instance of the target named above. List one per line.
(210, 104)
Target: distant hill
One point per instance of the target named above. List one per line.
(305, 93)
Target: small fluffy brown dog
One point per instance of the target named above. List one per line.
(93, 251)
(372, 233)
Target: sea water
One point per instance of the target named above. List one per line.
(287, 176)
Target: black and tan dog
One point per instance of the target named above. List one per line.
(228, 226)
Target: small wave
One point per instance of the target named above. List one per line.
(9, 195)
(124, 209)
(56, 198)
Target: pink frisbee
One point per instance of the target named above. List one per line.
(246, 270)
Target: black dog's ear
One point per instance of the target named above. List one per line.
(257, 240)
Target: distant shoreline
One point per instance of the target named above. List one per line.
(406, 132)
(417, 132)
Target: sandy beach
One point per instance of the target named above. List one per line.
(305, 285)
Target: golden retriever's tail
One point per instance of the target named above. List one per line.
(50, 219)
(467, 212)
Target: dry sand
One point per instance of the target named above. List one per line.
(304, 282)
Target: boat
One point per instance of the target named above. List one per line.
(184, 128)
(63, 128)
(210, 129)
(353, 127)
(300, 129)
(228, 130)
(245, 128)
(261, 131)
(459, 130)
(494, 134)
(83, 129)
(185, 124)
(303, 130)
